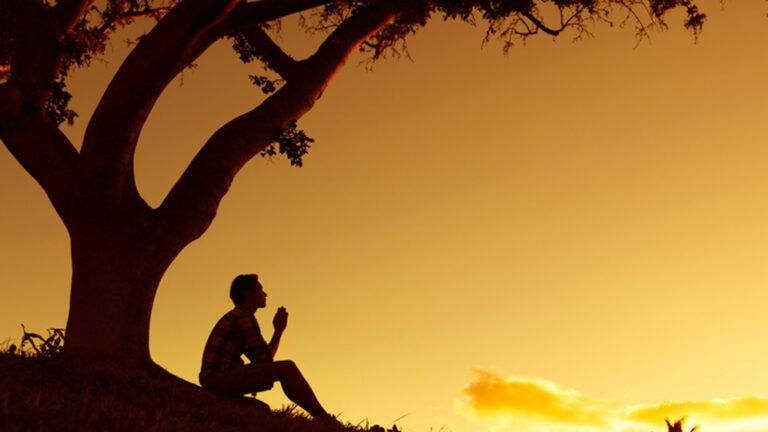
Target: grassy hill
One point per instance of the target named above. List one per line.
(42, 394)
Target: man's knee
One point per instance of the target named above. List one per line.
(287, 368)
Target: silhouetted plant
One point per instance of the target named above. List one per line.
(35, 345)
(377, 428)
(678, 426)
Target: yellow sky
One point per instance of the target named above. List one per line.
(580, 216)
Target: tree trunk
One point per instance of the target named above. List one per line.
(114, 281)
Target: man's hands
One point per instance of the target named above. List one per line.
(280, 321)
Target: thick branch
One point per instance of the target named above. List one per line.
(39, 146)
(192, 203)
(25, 129)
(111, 136)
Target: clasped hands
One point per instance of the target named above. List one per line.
(280, 321)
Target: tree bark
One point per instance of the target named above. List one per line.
(117, 265)
(109, 309)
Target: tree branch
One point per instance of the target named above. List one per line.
(540, 25)
(39, 146)
(177, 40)
(247, 20)
(25, 128)
(192, 203)
(110, 24)
(247, 14)
(270, 53)
(110, 139)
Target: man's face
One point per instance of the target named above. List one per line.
(256, 297)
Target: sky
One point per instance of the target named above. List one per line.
(571, 236)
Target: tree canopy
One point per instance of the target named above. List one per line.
(90, 28)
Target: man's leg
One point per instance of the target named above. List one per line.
(297, 389)
(256, 377)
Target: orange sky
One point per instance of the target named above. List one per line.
(580, 216)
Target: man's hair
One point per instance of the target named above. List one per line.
(240, 285)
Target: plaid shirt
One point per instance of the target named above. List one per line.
(235, 334)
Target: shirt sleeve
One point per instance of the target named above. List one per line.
(255, 347)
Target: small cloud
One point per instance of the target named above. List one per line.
(539, 405)
(531, 400)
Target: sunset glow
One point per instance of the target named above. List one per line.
(569, 237)
(524, 404)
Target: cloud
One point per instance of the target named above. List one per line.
(539, 405)
(490, 395)
(749, 409)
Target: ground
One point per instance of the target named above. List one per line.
(41, 394)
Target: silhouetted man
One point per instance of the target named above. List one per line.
(238, 333)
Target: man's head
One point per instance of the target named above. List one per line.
(246, 290)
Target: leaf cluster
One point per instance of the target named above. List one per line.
(694, 17)
(78, 47)
(90, 36)
(89, 40)
(266, 84)
(292, 142)
(248, 54)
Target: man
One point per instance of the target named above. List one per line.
(238, 333)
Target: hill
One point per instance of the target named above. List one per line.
(43, 394)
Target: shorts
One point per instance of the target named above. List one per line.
(240, 380)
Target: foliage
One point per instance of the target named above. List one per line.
(58, 104)
(292, 142)
(509, 21)
(266, 84)
(89, 40)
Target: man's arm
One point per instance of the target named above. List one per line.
(256, 348)
(280, 321)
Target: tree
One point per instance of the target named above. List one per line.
(121, 246)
